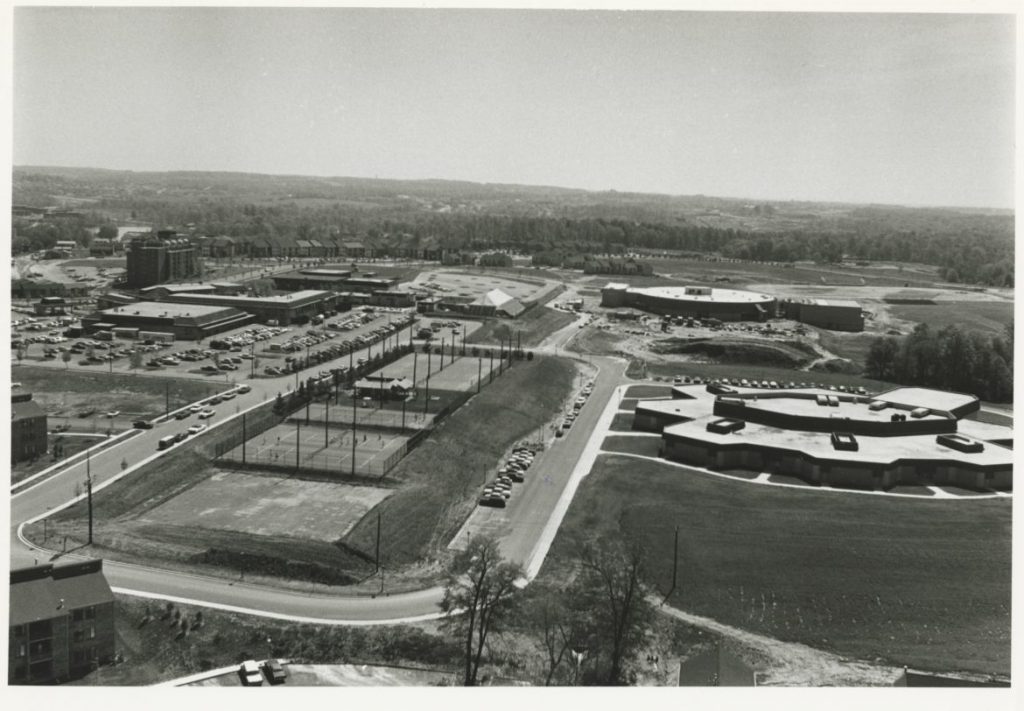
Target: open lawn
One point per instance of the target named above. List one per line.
(642, 392)
(442, 476)
(852, 346)
(529, 329)
(68, 393)
(984, 316)
(915, 581)
(622, 422)
(741, 274)
(648, 446)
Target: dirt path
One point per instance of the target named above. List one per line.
(789, 663)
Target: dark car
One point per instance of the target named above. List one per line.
(142, 425)
(182, 415)
(276, 672)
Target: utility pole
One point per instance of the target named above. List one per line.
(430, 352)
(404, 400)
(479, 371)
(415, 358)
(353, 433)
(327, 409)
(298, 440)
(243, 438)
(442, 355)
(377, 555)
(88, 484)
(490, 367)
(426, 394)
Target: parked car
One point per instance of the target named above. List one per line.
(196, 428)
(142, 425)
(276, 672)
(206, 414)
(249, 672)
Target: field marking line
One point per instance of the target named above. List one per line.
(801, 487)
(583, 466)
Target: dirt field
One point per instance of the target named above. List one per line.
(270, 506)
(458, 375)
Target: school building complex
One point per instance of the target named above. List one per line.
(906, 436)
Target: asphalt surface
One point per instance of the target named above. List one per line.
(524, 520)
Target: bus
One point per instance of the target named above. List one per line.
(167, 441)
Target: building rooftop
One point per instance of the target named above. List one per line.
(872, 450)
(679, 293)
(281, 299)
(178, 288)
(926, 397)
(163, 309)
(42, 592)
(26, 409)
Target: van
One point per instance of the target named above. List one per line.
(167, 441)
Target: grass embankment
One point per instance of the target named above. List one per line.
(989, 317)
(67, 393)
(595, 342)
(921, 582)
(852, 346)
(154, 651)
(648, 391)
(784, 354)
(442, 477)
(622, 422)
(532, 327)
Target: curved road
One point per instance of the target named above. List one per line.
(527, 535)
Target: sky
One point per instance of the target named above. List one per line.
(907, 109)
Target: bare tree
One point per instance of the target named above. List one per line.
(612, 573)
(478, 598)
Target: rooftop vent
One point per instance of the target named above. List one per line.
(725, 425)
(959, 443)
(920, 412)
(844, 441)
(877, 405)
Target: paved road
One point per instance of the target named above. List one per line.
(525, 521)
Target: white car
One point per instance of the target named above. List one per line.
(250, 673)
(113, 413)
(207, 414)
(196, 429)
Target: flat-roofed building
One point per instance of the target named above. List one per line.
(695, 301)
(284, 309)
(836, 439)
(835, 315)
(61, 623)
(190, 322)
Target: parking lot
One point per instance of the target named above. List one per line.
(241, 353)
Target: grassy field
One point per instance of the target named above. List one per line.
(443, 475)
(535, 325)
(741, 274)
(64, 394)
(595, 342)
(648, 391)
(922, 582)
(622, 422)
(984, 316)
(647, 446)
(791, 354)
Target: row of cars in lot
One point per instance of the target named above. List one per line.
(334, 350)
(513, 472)
(570, 416)
(764, 384)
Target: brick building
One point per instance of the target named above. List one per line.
(161, 258)
(61, 623)
(28, 428)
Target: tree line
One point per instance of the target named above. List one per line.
(950, 359)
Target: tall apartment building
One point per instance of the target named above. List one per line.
(162, 258)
